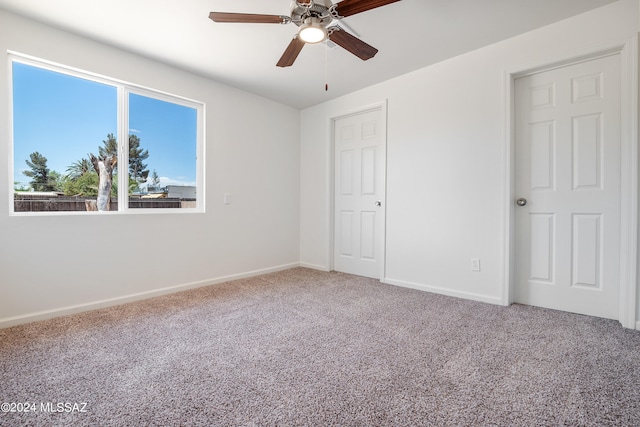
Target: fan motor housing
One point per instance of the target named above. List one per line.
(318, 9)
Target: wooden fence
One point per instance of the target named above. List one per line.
(27, 203)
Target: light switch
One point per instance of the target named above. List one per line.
(227, 198)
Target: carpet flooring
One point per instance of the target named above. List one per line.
(308, 348)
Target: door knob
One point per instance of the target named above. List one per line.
(378, 203)
(521, 201)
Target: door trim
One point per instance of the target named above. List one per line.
(628, 52)
(382, 107)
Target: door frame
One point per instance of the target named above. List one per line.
(382, 107)
(628, 51)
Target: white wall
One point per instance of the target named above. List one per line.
(52, 265)
(446, 157)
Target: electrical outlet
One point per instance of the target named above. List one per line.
(475, 264)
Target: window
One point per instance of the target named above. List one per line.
(73, 132)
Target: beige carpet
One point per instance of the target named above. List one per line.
(307, 348)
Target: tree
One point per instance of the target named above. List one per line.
(56, 180)
(39, 173)
(155, 181)
(110, 147)
(18, 186)
(85, 185)
(79, 168)
(137, 169)
(104, 168)
(137, 155)
(82, 180)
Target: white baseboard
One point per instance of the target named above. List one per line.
(314, 266)
(638, 325)
(65, 311)
(443, 291)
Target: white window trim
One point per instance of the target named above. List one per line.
(123, 90)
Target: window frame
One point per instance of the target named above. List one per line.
(123, 90)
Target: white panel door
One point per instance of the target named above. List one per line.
(567, 160)
(360, 145)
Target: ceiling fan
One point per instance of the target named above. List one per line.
(313, 17)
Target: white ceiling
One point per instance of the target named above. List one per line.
(410, 34)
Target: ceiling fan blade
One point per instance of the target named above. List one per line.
(352, 44)
(291, 53)
(351, 7)
(250, 18)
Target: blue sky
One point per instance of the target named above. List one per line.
(65, 118)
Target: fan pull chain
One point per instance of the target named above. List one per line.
(326, 67)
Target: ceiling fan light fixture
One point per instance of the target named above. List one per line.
(312, 31)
